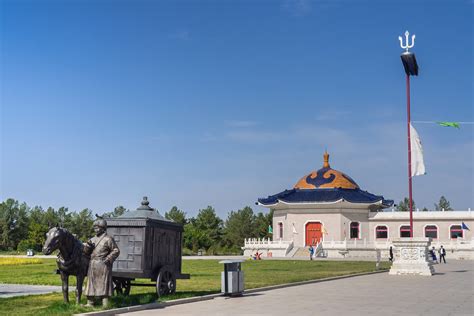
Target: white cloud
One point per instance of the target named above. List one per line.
(297, 7)
(182, 35)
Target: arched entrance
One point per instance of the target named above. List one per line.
(313, 233)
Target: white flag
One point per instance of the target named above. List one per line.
(417, 164)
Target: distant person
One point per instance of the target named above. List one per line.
(390, 258)
(442, 254)
(433, 255)
(311, 252)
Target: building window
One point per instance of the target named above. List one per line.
(280, 230)
(355, 230)
(455, 231)
(431, 231)
(381, 232)
(405, 231)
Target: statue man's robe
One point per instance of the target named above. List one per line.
(99, 276)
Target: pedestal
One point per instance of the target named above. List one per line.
(411, 257)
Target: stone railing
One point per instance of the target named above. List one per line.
(356, 244)
(264, 242)
(268, 247)
(457, 248)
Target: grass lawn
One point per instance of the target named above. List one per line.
(205, 279)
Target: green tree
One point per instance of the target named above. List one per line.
(51, 217)
(64, 217)
(403, 206)
(13, 223)
(82, 224)
(118, 211)
(176, 215)
(208, 222)
(443, 205)
(36, 236)
(37, 229)
(204, 231)
(425, 209)
(262, 223)
(240, 225)
(194, 238)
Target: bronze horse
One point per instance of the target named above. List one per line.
(71, 259)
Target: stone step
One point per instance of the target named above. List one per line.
(302, 252)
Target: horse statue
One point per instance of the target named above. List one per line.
(71, 259)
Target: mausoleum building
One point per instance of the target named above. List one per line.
(328, 209)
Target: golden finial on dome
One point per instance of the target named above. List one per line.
(326, 160)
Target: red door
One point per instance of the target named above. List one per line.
(313, 233)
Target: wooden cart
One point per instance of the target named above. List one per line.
(150, 247)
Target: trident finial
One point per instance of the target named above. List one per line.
(407, 45)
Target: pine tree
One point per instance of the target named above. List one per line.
(443, 205)
(404, 206)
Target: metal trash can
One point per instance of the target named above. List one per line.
(232, 278)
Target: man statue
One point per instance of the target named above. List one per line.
(103, 251)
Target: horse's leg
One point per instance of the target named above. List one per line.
(80, 282)
(65, 279)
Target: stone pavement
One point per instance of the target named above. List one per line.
(449, 292)
(9, 290)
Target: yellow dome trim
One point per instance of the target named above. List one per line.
(326, 178)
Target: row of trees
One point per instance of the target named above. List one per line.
(22, 227)
(442, 205)
(207, 231)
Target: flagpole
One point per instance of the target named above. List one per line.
(411, 69)
(410, 187)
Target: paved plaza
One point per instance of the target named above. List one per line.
(449, 292)
(10, 290)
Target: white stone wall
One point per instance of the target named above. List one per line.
(294, 225)
(443, 220)
(337, 220)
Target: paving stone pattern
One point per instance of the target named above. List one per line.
(449, 292)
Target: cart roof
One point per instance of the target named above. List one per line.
(144, 211)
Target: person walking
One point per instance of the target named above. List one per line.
(442, 254)
(311, 252)
(433, 255)
(390, 258)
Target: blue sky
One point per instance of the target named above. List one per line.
(197, 103)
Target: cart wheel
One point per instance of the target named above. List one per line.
(165, 282)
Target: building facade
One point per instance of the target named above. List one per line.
(328, 210)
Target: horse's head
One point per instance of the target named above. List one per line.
(53, 237)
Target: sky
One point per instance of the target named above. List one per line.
(196, 103)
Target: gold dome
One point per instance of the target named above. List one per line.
(326, 178)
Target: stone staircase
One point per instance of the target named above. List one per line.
(301, 252)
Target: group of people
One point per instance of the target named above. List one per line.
(441, 252)
(256, 256)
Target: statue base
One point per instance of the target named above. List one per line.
(411, 257)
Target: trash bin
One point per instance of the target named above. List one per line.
(232, 278)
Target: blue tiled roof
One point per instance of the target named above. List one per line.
(325, 195)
